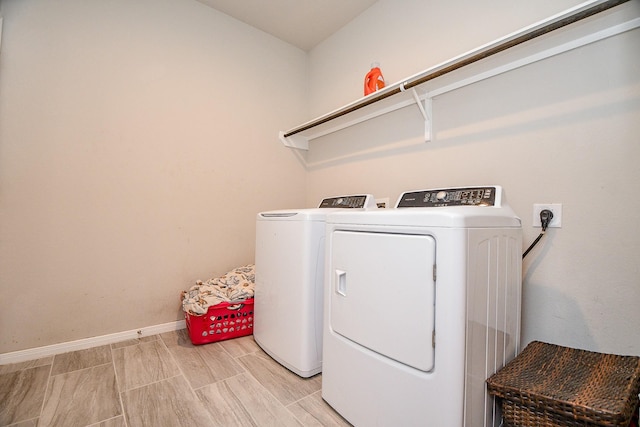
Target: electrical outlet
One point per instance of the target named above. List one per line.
(382, 203)
(555, 208)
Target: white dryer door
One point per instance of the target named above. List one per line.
(382, 294)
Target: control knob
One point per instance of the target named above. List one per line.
(442, 196)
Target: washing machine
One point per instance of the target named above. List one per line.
(289, 267)
(422, 305)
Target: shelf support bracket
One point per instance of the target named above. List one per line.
(294, 141)
(427, 113)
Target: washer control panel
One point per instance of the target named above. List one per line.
(468, 196)
(358, 201)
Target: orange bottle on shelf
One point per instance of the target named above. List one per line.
(373, 81)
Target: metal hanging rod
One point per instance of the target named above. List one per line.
(465, 60)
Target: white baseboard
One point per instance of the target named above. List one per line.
(51, 350)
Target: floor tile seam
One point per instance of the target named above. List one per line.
(268, 390)
(112, 363)
(302, 398)
(23, 421)
(259, 352)
(185, 378)
(284, 406)
(247, 354)
(258, 382)
(80, 369)
(21, 371)
(175, 361)
(289, 406)
(241, 402)
(195, 389)
(293, 414)
(152, 383)
(239, 399)
(105, 420)
(82, 351)
(237, 360)
(225, 350)
(46, 390)
(198, 401)
(124, 415)
(311, 414)
(25, 368)
(115, 372)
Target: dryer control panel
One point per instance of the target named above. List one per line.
(357, 201)
(467, 196)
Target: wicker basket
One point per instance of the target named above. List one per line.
(552, 386)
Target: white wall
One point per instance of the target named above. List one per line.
(562, 130)
(138, 140)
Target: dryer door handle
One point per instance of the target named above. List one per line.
(341, 282)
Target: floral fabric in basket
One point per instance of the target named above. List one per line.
(235, 286)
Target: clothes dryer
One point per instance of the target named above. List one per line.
(289, 281)
(422, 304)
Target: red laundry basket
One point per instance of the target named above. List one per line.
(222, 321)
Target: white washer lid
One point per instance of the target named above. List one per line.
(313, 214)
(341, 203)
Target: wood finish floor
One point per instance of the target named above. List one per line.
(160, 381)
